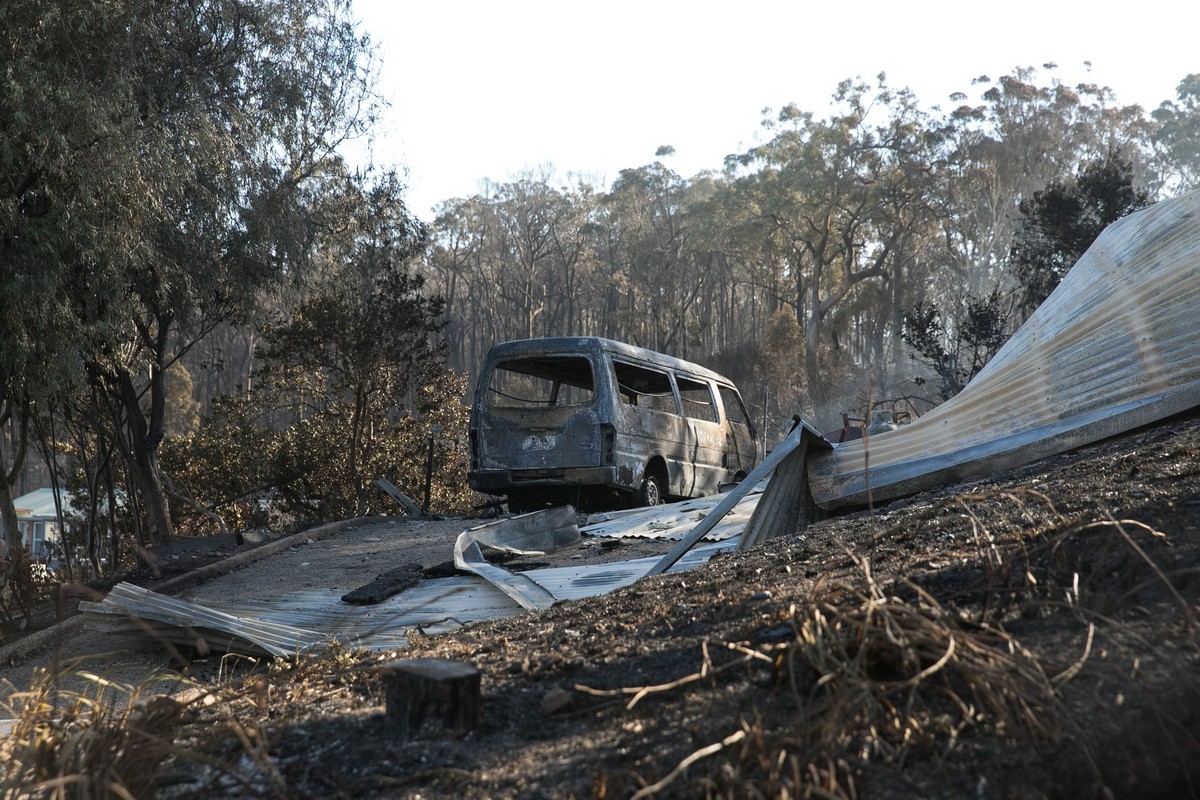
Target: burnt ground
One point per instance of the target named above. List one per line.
(1033, 634)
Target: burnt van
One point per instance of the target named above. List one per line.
(601, 424)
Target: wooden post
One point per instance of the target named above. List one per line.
(435, 694)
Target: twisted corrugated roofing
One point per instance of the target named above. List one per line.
(1116, 346)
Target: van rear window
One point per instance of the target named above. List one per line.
(542, 382)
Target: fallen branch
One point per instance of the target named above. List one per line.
(640, 692)
(703, 752)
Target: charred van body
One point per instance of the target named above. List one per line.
(598, 423)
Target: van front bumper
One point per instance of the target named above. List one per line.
(500, 481)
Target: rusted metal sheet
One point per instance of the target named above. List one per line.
(1116, 346)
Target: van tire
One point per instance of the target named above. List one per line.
(519, 504)
(651, 492)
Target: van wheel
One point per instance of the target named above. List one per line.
(651, 492)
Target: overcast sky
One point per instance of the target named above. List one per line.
(494, 89)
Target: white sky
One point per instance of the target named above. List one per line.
(493, 89)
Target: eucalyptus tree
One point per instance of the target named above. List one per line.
(1029, 130)
(842, 199)
(192, 137)
(1177, 139)
(975, 335)
(516, 261)
(647, 213)
(359, 357)
(71, 201)
(455, 262)
(542, 252)
(1026, 130)
(742, 290)
(1060, 222)
(523, 216)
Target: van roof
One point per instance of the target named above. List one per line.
(554, 345)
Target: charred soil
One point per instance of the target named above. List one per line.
(1034, 634)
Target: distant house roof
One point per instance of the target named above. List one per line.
(39, 505)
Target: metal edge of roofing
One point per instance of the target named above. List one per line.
(892, 481)
(801, 434)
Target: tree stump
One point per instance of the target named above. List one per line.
(432, 694)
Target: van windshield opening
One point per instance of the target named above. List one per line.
(542, 382)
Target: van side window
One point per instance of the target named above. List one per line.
(644, 387)
(697, 399)
(541, 382)
(735, 411)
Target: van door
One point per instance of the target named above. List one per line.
(707, 464)
(538, 414)
(743, 441)
(651, 436)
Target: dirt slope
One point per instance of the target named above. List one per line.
(1029, 635)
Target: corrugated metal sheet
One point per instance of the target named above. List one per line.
(674, 520)
(527, 534)
(1114, 347)
(301, 622)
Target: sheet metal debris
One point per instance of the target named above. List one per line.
(675, 520)
(528, 534)
(1113, 348)
(251, 631)
(796, 441)
(301, 622)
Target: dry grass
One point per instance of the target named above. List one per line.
(109, 740)
(872, 678)
(879, 677)
(104, 740)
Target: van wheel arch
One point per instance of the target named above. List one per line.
(653, 489)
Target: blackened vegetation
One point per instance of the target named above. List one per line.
(1059, 223)
(978, 334)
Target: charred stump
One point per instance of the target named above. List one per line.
(433, 694)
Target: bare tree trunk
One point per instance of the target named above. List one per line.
(10, 533)
(144, 463)
(8, 519)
